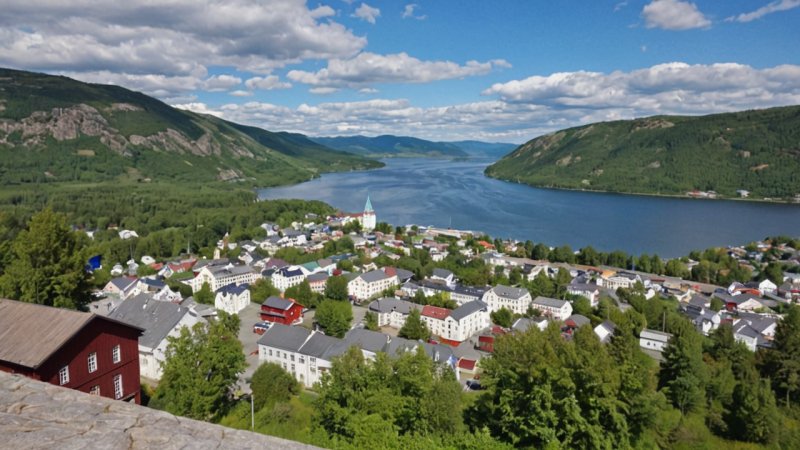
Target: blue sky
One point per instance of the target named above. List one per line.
(436, 69)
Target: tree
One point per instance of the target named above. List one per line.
(503, 317)
(334, 317)
(302, 294)
(205, 295)
(201, 367)
(47, 264)
(271, 384)
(773, 272)
(716, 304)
(414, 328)
(336, 288)
(676, 268)
(782, 363)
(540, 251)
(752, 415)
(582, 306)
(262, 289)
(683, 374)
(542, 286)
(371, 321)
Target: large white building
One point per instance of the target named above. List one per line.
(286, 277)
(551, 307)
(232, 298)
(459, 324)
(219, 276)
(303, 353)
(159, 320)
(392, 311)
(615, 280)
(370, 284)
(516, 300)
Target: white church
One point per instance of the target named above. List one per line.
(367, 218)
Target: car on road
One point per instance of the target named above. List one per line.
(261, 327)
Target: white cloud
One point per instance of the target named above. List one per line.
(175, 38)
(776, 6)
(408, 12)
(241, 93)
(524, 109)
(200, 108)
(369, 68)
(267, 83)
(219, 83)
(367, 13)
(323, 90)
(673, 88)
(674, 15)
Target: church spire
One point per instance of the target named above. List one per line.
(368, 206)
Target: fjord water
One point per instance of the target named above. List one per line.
(456, 193)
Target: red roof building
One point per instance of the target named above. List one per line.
(435, 312)
(281, 310)
(81, 351)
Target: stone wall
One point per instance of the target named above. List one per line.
(36, 415)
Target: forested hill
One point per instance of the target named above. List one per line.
(757, 151)
(54, 128)
(388, 146)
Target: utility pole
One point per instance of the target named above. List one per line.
(252, 414)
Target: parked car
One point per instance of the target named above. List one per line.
(261, 327)
(475, 385)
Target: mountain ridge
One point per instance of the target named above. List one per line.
(53, 128)
(757, 151)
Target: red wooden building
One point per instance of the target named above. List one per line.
(281, 310)
(77, 350)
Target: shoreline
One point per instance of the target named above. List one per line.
(650, 194)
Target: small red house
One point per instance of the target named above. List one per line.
(77, 350)
(281, 310)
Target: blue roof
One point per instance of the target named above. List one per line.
(233, 289)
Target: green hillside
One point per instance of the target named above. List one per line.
(55, 129)
(388, 146)
(757, 151)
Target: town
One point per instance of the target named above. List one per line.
(381, 290)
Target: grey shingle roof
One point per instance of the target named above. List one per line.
(285, 337)
(122, 282)
(319, 276)
(467, 308)
(373, 276)
(318, 344)
(156, 318)
(442, 273)
(371, 341)
(551, 302)
(523, 323)
(387, 305)
(509, 292)
(579, 320)
(278, 303)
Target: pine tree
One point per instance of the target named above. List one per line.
(683, 373)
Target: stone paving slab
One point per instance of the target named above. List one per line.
(36, 415)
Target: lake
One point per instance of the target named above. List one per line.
(446, 193)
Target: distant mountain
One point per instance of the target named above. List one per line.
(492, 149)
(392, 146)
(757, 151)
(55, 128)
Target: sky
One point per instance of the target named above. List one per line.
(496, 71)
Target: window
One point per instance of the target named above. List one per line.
(92, 362)
(95, 390)
(270, 352)
(117, 386)
(63, 375)
(116, 355)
